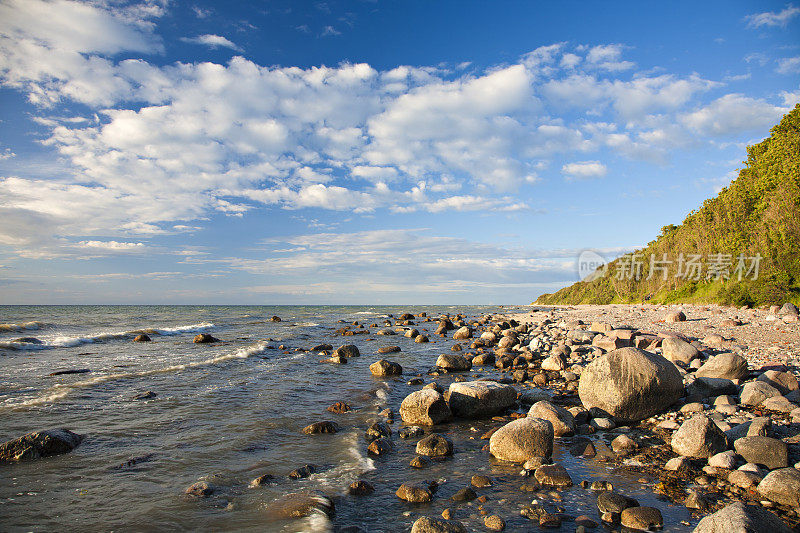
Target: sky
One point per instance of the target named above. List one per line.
(365, 152)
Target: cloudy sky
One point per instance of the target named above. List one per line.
(167, 151)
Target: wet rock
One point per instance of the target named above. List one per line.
(380, 446)
(562, 420)
(204, 338)
(782, 486)
(694, 500)
(533, 395)
(784, 382)
(614, 503)
(262, 480)
(678, 464)
(554, 363)
(494, 523)
(481, 481)
(755, 392)
(623, 445)
(275, 319)
(414, 493)
(72, 371)
(299, 505)
(303, 472)
(772, 453)
(740, 518)
(384, 368)
(410, 432)
(360, 488)
(339, 408)
(201, 489)
(388, 349)
(39, 444)
(453, 362)
(377, 430)
(426, 524)
(463, 333)
(677, 350)
(347, 350)
(472, 399)
(630, 384)
(425, 407)
(724, 365)
(421, 339)
(699, 437)
(464, 495)
(325, 426)
(435, 445)
(147, 395)
(553, 475)
(641, 518)
(522, 439)
(143, 337)
(419, 462)
(549, 520)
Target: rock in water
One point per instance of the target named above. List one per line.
(453, 362)
(437, 525)
(472, 399)
(522, 439)
(39, 444)
(424, 407)
(347, 350)
(383, 368)
(699, 437)
(325, 426)
(740, 518)
(204, 338)
(414, 493)
(782, 486)
(641, 518)
(435, 445)
(630, 384)
(299, 505)
(724, 365)
(463, 333)
(142, 338)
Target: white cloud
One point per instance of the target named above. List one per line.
(584, 170)
(608, 57)
(788, 65)
(212, 41)
(329, 31)
(113, 246)
(733, 114)
(768, 18)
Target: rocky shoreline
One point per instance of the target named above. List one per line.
(701, 402)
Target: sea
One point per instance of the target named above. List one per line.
(161, 415)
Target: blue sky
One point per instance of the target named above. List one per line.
(365, 151)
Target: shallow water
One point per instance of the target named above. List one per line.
(230, 412)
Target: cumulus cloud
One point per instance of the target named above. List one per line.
(582, 170)
(773, 19)
(212, 41)
(733, 113)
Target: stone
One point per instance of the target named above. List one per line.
(612, 502)
(388, 349)
(740, 518)
(414, 493)
(743, 479)
(204, 338)
(699, 437)
(421, 339)
(494, 523)
(39, 444)
(339, 408)
(377, 430)
(427, 524)
(360, 488)
(623, 445)
(435, 445)
(464, 495)
(380, 446)
(262, 480)
(553, 475)
(677, 464)
(483, 359)
(299, 505)
(772, 453)
(784, 382)
(554, 363)
(201, 489)
(347, 350)
(704, 387)
(463, 333)
(325, 426)
(678, 350)
(755, 392)
(480, 481)
(453, 362)
(782, 486)
(275, 319)
(725, 459)
(641, 518)
(410, 432)
(630, 384)
(143, 337)
(522, 439)
(562, 420)
(533, 395)
(675, 316)
(302, 472)
(724, 365)
(473, 399)
(384, 368)
(779, 404)
(425, 407)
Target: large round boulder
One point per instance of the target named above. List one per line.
(782, 486)
(424, 407)
(630, 384)
(435, 445)
(384, 368)
(471, 399)
(453, 362)
(563, 421)
(463, 333)
(724, 365)
(740, 518)
(39, 444)
(522, 439)
(437, 525)
(699, 437)
(347, 350)
(678, 350)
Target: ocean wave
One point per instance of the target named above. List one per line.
(25, 326)
(71, 342)
(61, 390)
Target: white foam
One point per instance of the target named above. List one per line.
(318, 523)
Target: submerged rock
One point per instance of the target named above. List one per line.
(453, 362)
(299, 505)
(204, 338)
(143, 337)
(201, 489)
(325, 426)
(39, 444)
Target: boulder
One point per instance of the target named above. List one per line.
(299, 505)
(755, 392)
(472, 399)
(699, 437)
(724, 365)
(360, 488)
(522, 439)
(675, 316)
(463, 333)
(562, 420)
(347, 350)
(641, 518)
(782, 486)
(772, 453)
(678, 350)
(425, 407)
(204, 338)
(711, 387)
(553, 475)
(784, 382)
(380, 446)
(142, 337)
(555, 363)
(533, 395)
(383, 368)
(453, 361)
(325, 426)
(740, 518)
(614, 503)
(201, 489)
(437, 525)
(630, 384)
(435, 445)
(39, 444)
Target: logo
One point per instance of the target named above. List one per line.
(591, 266)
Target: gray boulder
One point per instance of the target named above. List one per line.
(347, 350)
(384, 368)
(772, 453)
(39, 444)
(630, 384)
(426, 524)
(782, 486)
(724, 365)
(470, 399)
(755, 392)
(453, 361)
(424, 407)
(699, 437)
(562, 420)
(521, 439)
(784, 382)
(740, 518)
(678, 350)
